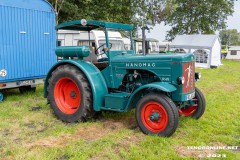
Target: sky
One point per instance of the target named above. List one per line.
(159, 31)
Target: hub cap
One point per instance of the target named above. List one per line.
(67, 95)
(154, 116)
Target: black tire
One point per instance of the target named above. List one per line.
(166, 109)
(84, 110)
(201, 104)
(198, 109)
(24, 89)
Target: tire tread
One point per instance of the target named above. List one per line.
(87, 111)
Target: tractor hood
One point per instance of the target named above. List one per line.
(165, 67)
(152, 58)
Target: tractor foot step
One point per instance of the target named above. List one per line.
(116, 101)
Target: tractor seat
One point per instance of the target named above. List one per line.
(101, 65)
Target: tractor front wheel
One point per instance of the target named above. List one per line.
(157, 114)
(197, 109)
(70, 95)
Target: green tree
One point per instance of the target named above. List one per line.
(107, 10)
(57, 6)
(230, 37)
(122, 11)
(155, 10)
(199, 16)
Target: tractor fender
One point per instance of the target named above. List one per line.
(136, 95)
(94, 76)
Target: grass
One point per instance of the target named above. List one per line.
(26, 133)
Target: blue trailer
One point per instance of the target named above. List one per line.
(27, 43)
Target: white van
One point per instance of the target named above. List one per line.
(97, 40)
(152, 45)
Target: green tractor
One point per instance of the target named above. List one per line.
(88, 80)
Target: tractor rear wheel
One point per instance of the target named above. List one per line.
(157, 114)
(196, 110)
(70, 94)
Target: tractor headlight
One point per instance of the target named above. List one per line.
(181, 80)
(197, 75)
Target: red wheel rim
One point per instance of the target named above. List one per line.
(156, 108)
(188, 111)
(67, 95)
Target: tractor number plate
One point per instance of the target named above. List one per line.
(189, 96)
(27, 82)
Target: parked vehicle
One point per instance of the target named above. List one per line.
(27, 43)
(158, 86)
(94, 39)
(164, 46)
(127, 43)
(151, 45)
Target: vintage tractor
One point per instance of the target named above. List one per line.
(88, 80)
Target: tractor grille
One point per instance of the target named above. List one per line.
(189, 75)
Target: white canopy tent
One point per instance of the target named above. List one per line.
(206, 48)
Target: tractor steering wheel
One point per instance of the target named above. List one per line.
(103, 51)
(101, 54)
